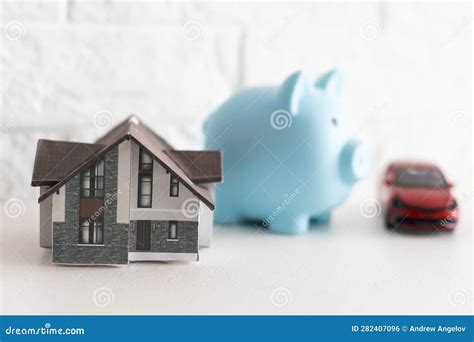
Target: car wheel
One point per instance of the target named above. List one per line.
(388, 224)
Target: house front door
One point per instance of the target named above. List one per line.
(143, 235)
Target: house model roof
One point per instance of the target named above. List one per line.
(200, 166)
(58, 161)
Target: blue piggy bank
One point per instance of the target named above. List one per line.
(289, 157)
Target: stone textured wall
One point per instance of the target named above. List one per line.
(187, 234)
(66, 234)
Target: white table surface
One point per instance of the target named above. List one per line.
(353, 266)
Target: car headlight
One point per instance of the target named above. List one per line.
(397, 203)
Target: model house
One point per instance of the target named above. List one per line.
(127, 197)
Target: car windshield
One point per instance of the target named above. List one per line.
(420, 177)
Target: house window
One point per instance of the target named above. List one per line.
(145, 179)
(92, 181)
(91, 231)
(174, 186)
(172, 230)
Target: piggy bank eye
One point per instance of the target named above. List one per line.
(334, 121)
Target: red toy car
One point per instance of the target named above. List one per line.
(417, 195)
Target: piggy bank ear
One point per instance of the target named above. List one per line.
(331, 82)
(292, 91)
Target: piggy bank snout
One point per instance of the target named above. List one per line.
(356, 160)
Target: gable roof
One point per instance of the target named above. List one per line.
(56, 159)
(199, 166)
(132, 129)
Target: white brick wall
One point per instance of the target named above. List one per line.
(408, 71)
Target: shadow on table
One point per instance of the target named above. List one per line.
(425, 232)
(258, 225)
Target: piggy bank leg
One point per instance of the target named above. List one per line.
(323, 218)
(289, 224)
